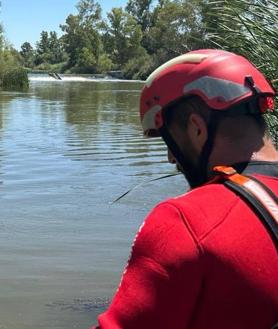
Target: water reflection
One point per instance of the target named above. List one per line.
(67, 150)
(103, 124)
(94, 102)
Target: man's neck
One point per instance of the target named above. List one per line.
(230, 154)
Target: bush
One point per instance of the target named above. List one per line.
(44, 67)
(139, 67)
(104, 64)
(15, 78)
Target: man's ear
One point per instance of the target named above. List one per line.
(197, 130)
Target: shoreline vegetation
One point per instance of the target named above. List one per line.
(138, 38)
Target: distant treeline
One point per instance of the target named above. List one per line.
(134, 39)
(144, 34)
(138, 38)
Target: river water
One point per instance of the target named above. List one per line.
(67, 150)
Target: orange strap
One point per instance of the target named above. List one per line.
(251, 186)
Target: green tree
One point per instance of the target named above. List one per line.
(57, 55)
(49, 49)
(145, 14)
(141, 11)
(139, 67)
(1, 36)
(178, 28)
(89, 12)
(82, 39)
(72, 38)
(27, 53)
(123, 37)
(86, 58)
(43, 52)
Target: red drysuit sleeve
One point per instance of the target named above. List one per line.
(162, 280)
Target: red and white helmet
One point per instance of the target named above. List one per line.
(218, 77)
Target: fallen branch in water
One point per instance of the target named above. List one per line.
(143, 183)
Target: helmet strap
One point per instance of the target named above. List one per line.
(208, 146)
(196, 175)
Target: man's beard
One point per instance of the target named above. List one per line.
(193, 171)
(194, 174)
(187, 160)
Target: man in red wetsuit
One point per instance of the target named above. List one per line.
(204, 260)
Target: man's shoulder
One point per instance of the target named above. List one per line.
(205, 207)
(211, 197)
(201, 193)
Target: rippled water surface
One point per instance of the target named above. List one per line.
(67, 149)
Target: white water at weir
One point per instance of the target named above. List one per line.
(73, 78)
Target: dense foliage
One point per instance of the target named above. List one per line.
(249, 28)
(15, 78)
(12, 75)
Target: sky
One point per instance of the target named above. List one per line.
(23, 20)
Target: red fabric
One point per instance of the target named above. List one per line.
(200, 261)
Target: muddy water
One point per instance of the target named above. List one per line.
(67, 149)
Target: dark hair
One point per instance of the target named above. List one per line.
(180, 111)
